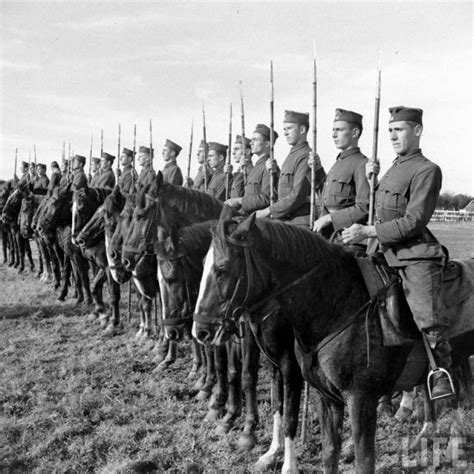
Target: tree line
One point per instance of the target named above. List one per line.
(453, 202)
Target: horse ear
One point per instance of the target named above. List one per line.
(244, 228)
(226, 214)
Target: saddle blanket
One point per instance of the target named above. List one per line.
(396, 320)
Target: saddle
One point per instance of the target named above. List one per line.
(396, 320)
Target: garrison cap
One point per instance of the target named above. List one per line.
(401, 113)
(296, 117)
(54, 164)
(201, 145)
(95, 160)
(127, 151)
(348, 116)
(265, 131)
(24, 164)
(173, 146)
(41, 165)
(108, 157)
(80, 159)
(145, 149)
(218, 147)
(238, 139)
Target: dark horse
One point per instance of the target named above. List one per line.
(321, 292)
(180, 266)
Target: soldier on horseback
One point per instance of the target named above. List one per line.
(79, 179)
(94, 172)
(239, 178)
(24, 174)
(41, 183)
(106, 179)
(128, 176)
(345, 196)
(405, 201)
(217, 154)
(55, 178)
(204, 173)
(147, 174)
(171, 171)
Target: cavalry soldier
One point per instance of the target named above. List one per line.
(41, 183)
(129, 176)
(64, 172)
(171, 172)
(79, 179)
(239, 178)
(95, 172)
(106, 179)
(55, 180)
(405, 201)
(294, 185)
(203, 168)
(216, 157)
(147, 174)
(24, 174)
(345, 196)
(257, 188)
(33, 175)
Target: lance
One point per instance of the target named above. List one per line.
(374, 158)
(242, 119)
(151, 145)
(228, 177)
(69, 164)
(64, 150)
(272, 136)
(118, 150)
(189, 155)
(134, 151)
(29, 159)
(34, 150)
(312, 211)
(90, 158)
(16, 159)
(205, 147)
(101, 142)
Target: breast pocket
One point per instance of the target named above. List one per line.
(393, 200)
(285, 184)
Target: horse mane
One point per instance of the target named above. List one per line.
(191, 201)
(195, 237)
(114, 201)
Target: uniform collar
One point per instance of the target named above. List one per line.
(349, 152)
(299, 147)
(262, 159)
(170, 164)
(408, 156)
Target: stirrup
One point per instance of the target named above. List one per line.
(431, 374)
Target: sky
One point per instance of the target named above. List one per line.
(70, 69)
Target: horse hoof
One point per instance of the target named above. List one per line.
(103, 320)
(212, 415)
(92, 317)
(403, 414)
(110, 330)
(347, 453)
(385, 409)
(139, 334)
(246, 442)
(222, 427)
(265, 463)
(200, 384)
(20, 270)
(202, 396)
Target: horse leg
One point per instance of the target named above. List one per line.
(363, 417)
(456, 437)
(97, 284)
(210, 375)
(234, 382)
(201, 381)
(21, 248)
(29, 254)
(250, 359)
(56, 266)
(406, 405)
(429, 425)
(114, 294)
(5, 243)
(385, 406)
(331, 417)
(220, 390)
(41, 259)
(197, 360)
(66, 277)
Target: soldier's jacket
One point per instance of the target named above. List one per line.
(257, 188)
(346, 190)
(216, 187)
(64, 180)
(199, 179)
(106, 180)
(40, 185)
(294, 186)
(79, 180)
(94, 179)
(172, 174)
(146, 177)
(405, 201)
(54, 182)
(238, 181)
(127, 180)
(24, 179)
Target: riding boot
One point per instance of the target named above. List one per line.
(441, 385)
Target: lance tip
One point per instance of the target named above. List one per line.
(380, 57)
(314, 49)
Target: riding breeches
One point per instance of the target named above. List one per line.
(422, 285)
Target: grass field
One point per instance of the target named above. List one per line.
(72, 400)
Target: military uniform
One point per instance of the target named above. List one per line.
(94, 180)
(79, 179)
(346, 190)
(257, 188)
(216, 186)
(54, 181)
(239, 180)
(172, 174)
(146, 177)
(40, 185)
(127, 180)
(106, 180)
(199, 179)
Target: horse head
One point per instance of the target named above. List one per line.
(12, 207)
(57, 211)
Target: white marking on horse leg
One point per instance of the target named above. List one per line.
(267, 460)
(407, 400)
(161, 282)
(289, 464)
(208, 263)
(73, 225)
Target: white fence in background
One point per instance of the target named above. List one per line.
(452, 216)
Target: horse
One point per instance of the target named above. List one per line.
(54, 224)
(10, 216)
(10, 250)
(322, 294)
(88, 232)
